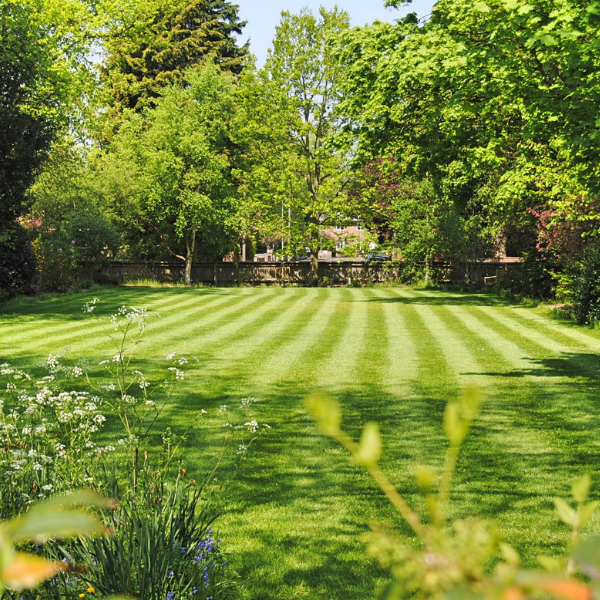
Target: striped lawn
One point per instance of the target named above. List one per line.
(296, 510)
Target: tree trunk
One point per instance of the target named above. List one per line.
(190, 246)
(313, 276)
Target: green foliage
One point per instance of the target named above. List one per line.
(162, 544)
(52, 519)
(93, 238)
(586, 295)
(495, 102)
(151, 44)
(291, 173)
(17, 260)
(178, 154)
(41, 71)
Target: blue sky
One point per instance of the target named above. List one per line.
(264, 15)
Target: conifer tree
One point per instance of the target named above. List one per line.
(150, 44)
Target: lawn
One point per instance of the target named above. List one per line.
(295, 512)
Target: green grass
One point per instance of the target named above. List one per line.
(297, 509)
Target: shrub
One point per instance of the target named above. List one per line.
(77, 248)
(586, 296)
(17, 260)
(55, 261)
(93, 238)
(46, 435)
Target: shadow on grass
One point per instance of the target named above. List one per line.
(446, 300)
(69, 306)
(568, 364)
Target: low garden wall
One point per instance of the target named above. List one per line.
(297, 273)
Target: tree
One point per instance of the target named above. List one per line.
(495, 101)
(292, 164)
(42, 71)
(178, 155)
(151, 44)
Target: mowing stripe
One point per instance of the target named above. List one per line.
(521, 435)
(195, 336)
(262, 359)
(83, 333)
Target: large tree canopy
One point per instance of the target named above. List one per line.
(292, 163)
(151, 43)
(498, 101)
(177, 153)
(42, 72)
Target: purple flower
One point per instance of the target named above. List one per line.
(170, 596)
(170, 575)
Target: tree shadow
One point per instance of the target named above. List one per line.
(69, 306)
(574, 365)
(474, 299)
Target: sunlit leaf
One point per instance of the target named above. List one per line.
(453, 425)
(581, 488)
(513, 593)
(551, 564)
(425, 478)
(510, 555)
(43, 525)
(369, 451)
(587, 556)
(568, 589)
(566, 514)
(585, 514)
(326, 412)
(27, 571)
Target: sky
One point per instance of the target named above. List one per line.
(264, 15)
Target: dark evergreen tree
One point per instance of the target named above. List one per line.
(25, 136)
(152, 46)
(25, 133)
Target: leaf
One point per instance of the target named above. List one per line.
(369, 451)
(587, 556)
(425, 478)
(326, 412)
(453, 425)
(551, 564)
(585, 514)
(79, 497)
(42, 525)
(568, 589)
(470, 401)
(581, 488)
(27, 571)
(482, 7)
(566, 514)
(510, 555)
(548, 39)
(513, 593)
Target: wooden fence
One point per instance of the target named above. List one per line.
(297, 273)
